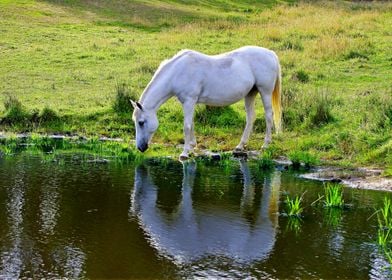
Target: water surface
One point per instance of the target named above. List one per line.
(75, 219)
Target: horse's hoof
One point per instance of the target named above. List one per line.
(240, 153)
(183, 157)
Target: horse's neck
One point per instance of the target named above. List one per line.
(156, 92)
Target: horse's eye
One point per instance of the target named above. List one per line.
(141, 123)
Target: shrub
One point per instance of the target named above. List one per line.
(48, 115)
(265, 162)
(122, 103)
(294, 112)
(298, 157)
(14, 110)
(301, 76)
(321, 110)
(306, 109)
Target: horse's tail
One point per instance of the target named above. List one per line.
(276, 101)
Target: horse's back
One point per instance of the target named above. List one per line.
(225, 78)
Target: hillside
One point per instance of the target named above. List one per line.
(63, 62)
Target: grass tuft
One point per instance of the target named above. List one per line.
(293, 206)
(48, 115)
(122, 101)
(299, 157)
(384, 234)
(333, 195)
(301, 76)
(265, 162)
(14, 110)
(321, 110)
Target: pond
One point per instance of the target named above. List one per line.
(164, 219)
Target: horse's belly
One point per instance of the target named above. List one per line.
(210, 100)
(224, 93)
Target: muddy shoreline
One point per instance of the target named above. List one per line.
(360, 178)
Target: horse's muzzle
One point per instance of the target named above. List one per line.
(143, 147)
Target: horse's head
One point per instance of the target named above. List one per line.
(146, 123)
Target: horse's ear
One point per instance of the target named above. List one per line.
(139, 106)
(136, 105)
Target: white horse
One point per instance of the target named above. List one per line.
(218, 80)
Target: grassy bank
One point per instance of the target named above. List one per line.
(63, 64)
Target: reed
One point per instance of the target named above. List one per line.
(384, 236)
(333, 196)
(294, 206)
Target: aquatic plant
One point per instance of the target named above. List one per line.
(293, 206)
(265, 162)
(333, 195)
(9, 146)
(384, 215)
(384, 236)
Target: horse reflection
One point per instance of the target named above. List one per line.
(197, 228)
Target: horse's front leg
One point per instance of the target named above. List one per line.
(193, 142)
(189, 137)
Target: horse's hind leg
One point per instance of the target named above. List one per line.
(266, 96)
(250, 119)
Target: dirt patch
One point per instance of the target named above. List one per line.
(360, 178)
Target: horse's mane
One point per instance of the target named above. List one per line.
(174, 58)
(163, 65)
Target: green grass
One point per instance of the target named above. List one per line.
(299, 157)
(64, 60)
(333, 196)
(384, 216)
(384, 234)
(265, 162)
(293, 206)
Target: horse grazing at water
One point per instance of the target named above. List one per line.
(218, 80)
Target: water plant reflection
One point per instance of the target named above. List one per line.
(333, 216)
